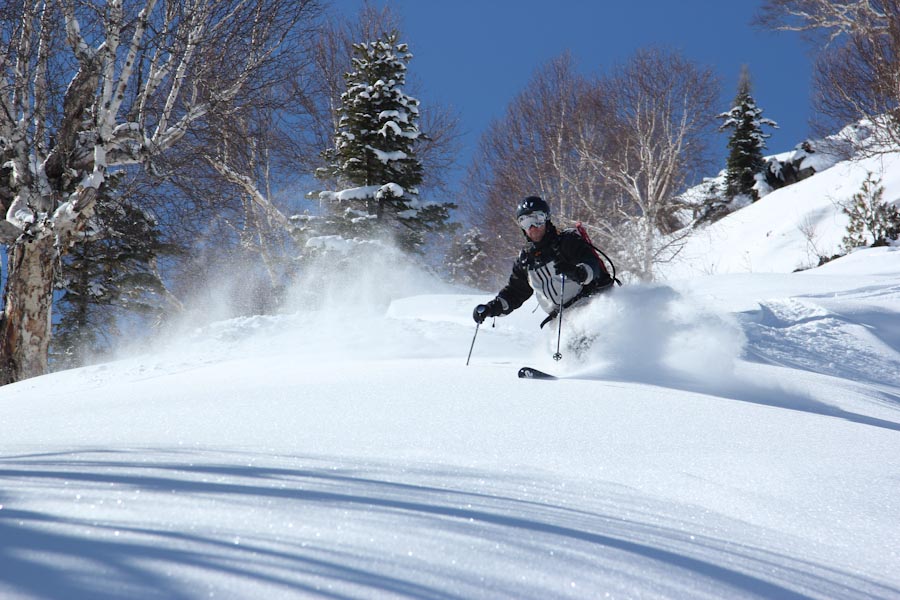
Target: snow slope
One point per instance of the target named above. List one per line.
(789, 228)
(731, 435)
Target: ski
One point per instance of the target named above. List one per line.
(531, 373)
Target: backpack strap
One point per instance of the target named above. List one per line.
(598, 253)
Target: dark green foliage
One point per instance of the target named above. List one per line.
(107, 281)
(745, 157)
(378, 125)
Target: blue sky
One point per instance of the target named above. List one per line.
(476, 56)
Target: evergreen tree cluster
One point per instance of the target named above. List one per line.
(746, 143)
(378, 120)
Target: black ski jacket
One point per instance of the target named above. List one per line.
(534, 272)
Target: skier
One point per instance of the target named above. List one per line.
(559, 267)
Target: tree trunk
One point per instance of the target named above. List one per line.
(25, 329)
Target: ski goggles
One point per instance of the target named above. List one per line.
(535, 219)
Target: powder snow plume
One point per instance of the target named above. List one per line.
(644, 332)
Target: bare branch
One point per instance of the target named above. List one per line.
(834, 18)
(249, 187)
(858, 71)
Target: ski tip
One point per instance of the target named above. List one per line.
(531, 373)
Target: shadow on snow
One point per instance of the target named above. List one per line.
(629, 543)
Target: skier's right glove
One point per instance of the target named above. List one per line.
(576, 273)
(492, 309)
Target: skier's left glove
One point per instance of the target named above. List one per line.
(492, 309)
(577, 273)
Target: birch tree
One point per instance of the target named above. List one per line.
(659, 116)
(614, 152)
(90, 87)
(533, 150)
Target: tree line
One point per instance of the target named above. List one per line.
(151, 149)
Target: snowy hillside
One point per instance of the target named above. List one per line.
(788, 229)
(733, 434)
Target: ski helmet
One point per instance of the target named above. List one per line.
(532, 204)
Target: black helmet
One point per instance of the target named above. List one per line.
(532, 204)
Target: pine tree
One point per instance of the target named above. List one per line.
(373, 161)
(747, 141)
(108, 278)
(873, 222)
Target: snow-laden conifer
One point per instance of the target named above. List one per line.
(373, 162)
(745, 158)
(873, 222)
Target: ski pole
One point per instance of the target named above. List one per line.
(562, 294)
(468, 358)
(477, 325)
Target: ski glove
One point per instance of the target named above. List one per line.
(577, 273)
(483, 311)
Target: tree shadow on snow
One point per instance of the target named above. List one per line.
(177, 540)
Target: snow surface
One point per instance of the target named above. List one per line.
(731, 433)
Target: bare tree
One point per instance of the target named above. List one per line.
(532, 150)
(614, 153)
(264, 145)
(831, 18)
(660, 110)
(89, 87)
(858, 70)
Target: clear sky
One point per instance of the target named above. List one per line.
(477, 55)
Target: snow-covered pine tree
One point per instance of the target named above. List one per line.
(873, 222)
(745, 158)
(373, 162)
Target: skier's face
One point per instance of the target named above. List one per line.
(534, 225)
(536, 233)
